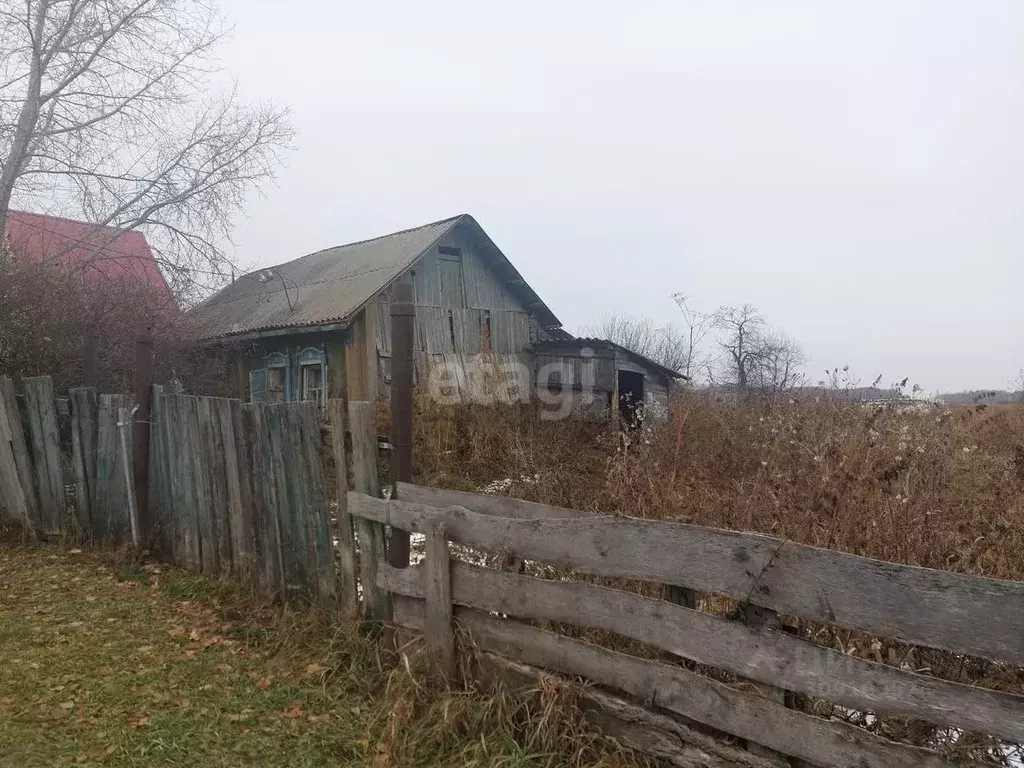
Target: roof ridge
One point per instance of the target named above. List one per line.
(54, 217)
(364, 241)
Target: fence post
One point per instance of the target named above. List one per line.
(348, 599)
(124, 423)
(403, 316)
(140, 428)
(438, 631)
(363, 425)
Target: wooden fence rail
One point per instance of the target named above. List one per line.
(927, 607)
(938, 609)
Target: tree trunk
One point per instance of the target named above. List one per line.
(27, 121)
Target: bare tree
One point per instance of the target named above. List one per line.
(756, 358)
(665, 344)
(108, 113)
(742, 329)
(778, 364)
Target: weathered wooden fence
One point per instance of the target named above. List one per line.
(239, 490)
(975, 617)
(234, 489)
(58, 454)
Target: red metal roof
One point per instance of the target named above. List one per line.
(102, 252)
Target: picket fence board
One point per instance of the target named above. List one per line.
(109, 503)
(435, 583)
(319, 544)
(41, 413)
(917, 605)
(348, 597)
(157, 482)
(771, 657)
(207, 489)
(685, 693)
(363, 426)
(19, 447)
(84, 419)
(13, 500)
(265, 500)
(242, 522)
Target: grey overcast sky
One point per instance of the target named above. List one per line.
(854, 169)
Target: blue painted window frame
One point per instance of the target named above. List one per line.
(307, 358)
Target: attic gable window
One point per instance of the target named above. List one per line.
(447, 252)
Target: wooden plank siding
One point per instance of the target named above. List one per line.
(927, 607)
(477, 332)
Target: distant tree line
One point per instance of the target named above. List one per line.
(733, 348)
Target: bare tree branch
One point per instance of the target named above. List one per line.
(665, 344)
(107, 113)
(756, 358)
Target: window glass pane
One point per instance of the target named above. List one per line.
(275, 385)
(257, 386)
(312, 378)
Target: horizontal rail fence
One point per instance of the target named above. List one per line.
(936, 609)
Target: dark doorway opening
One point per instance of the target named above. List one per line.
(631, 395)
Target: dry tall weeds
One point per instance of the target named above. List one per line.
(928, 486)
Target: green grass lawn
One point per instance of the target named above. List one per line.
(132, 665)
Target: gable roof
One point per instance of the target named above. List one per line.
(332, 285)
(101, 252)
(562, 339)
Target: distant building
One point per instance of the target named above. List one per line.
(99, 255)
(319, 326)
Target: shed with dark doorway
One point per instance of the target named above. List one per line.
(601, 376)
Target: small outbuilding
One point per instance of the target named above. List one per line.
(604, 376)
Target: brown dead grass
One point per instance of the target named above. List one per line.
(936, 487)
(128, 663)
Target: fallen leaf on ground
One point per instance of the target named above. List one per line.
(293, 710)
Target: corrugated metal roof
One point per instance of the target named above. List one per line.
(327, 286)
(323, 287)
(102, 252)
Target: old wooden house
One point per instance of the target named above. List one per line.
(319, 327)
